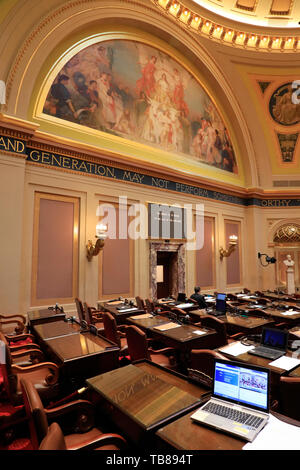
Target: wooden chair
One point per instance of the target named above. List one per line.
(114, 333)
(140, 303)
(221, 338)
(80, 311)
(23, 355)
(202, 365)
(289, 392)
(75, 416)
(93, 316)
(149, 306)
(138, 348)
(44, 376)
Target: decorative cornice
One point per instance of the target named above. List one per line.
(222, 33)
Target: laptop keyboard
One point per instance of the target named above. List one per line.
(267, 352)
(233, 414)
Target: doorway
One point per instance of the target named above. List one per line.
(166, 262)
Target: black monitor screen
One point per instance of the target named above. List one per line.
(221, 303)
(181, 297)
(274, 338)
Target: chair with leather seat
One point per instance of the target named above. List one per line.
(92, 318)
(80, 311)
(150, 308)
(138, 348)
(76, 424)
(288, 401)
(44, 376)
(114, 333)
(202, 362)
(23, 354)
(221, 338)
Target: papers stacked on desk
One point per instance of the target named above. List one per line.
(124, 310)
(144, 315)
(236, 348)
(185, 305)
(276, 435)
(285, 362)
(290, 312)
(167, 326)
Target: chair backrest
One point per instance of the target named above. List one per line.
(80, 310)
(204, 360)
(289, 392)
(110, 328)
(137, 343)
(140, 303)
(149, 306)
(246, 291)
(54, 439)
(88, 316)
(38, 423)
(219, 326)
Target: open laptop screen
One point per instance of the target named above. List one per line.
(221, 303)
(274, 338)
(242, 384)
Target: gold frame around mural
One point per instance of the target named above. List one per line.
(132, 149)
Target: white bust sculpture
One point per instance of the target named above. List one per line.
(288, 261)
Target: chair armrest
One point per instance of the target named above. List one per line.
(21, 337)
(21, 318)
(35, 355)
(76, 416)
(104, 440)
(27, 347)
(236, 335)
(162, 351)
(50, 379)
(20, 325)
(121, 328)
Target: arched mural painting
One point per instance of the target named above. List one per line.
(135, 91)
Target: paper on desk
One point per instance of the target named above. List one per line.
(124, 310)
(290, 312)
(276, 435)
(285, 362)
(185, 305)
(235, 349)
(199, 332)
(167, 326)
(144, 315)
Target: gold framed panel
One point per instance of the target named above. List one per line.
(35, 244)
(129, 294)
(239, 250)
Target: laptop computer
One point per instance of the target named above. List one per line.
(220, 308)
(240, 400)
(273, 344)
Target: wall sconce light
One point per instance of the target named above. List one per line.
(268, 259)
(233, 239)
(94, 249)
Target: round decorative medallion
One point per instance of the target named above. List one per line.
(282, 108)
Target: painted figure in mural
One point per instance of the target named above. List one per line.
(134, 91)
(64, 106)
(147, 82)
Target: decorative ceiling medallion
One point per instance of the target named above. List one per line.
(282, 108)
(287, 143)
(287, 233)
(229, 36)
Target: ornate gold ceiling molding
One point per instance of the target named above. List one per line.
(229, 36)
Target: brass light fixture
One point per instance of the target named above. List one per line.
(94, 249)
(233, 240)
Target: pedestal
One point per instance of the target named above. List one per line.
(290, 281)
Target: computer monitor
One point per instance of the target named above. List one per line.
(181, 297)
(221, 303)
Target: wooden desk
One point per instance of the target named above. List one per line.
(185, 306)
(182, 338)
(236, 323)
(273, 313)
(142, 397)
(81, 355)
(184, 434)
(37, 317)
(54, 329)
(120, 315)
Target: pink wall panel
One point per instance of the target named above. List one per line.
(116, 264)
(233, 261)
(55, 249)
(205, 258)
